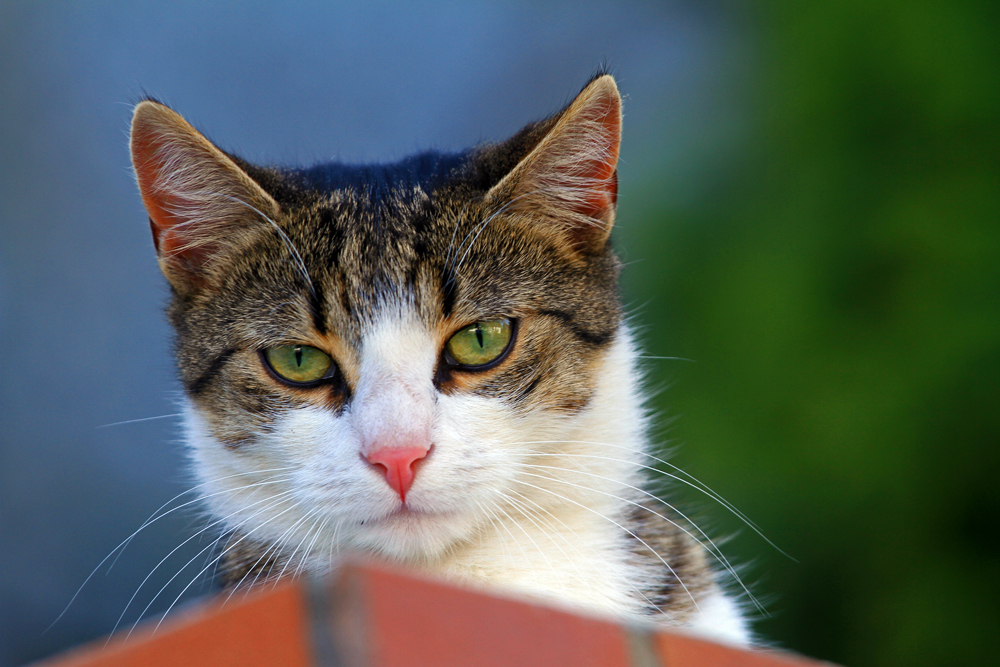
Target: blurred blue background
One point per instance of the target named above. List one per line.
(808, 208)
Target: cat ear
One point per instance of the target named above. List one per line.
(570, 177)
(198, 199)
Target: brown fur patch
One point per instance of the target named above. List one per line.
(675, 559)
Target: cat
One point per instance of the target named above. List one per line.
(424, 362)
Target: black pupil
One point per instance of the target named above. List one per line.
(479, 334)
(298, 356)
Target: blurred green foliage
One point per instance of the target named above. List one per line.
(839, 290)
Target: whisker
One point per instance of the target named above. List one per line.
(635, 588)
(711, 547)
(615, 523)
(175, 549)
(521, 505)
(335, 541)
(142, 419)
(494, 521)
(151, 520)
(269, 553)
(516, 542)
(695, 483)
(454, 232)
(199, 499)
(212, 560)
(479, 229)
(549, 533)
(714, 550)
(284, 238)
(273, 550)
(533, 543)
(305, 554)
(203, 570)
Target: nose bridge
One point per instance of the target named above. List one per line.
(392, 413)
(394, 402)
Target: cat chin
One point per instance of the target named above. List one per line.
(412, 537)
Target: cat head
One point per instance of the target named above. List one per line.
(370, 354)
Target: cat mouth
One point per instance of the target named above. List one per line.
(406, 513)
(408, 518)
(403, 513)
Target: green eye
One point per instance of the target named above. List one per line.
(298, 363)
(480, 343)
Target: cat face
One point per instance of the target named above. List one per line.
(373, 355)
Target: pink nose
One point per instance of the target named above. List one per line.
(398, 465)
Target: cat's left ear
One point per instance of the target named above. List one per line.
(199, 200)
(569, 180)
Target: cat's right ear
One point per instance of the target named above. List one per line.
(568, 182)
(198, 199)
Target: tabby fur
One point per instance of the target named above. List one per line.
(535, 477)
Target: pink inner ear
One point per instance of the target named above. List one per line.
(169, 241)
(598, 200)
(582, 173)
(148, 167)
(602, 170)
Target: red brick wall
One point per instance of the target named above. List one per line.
(367, 616)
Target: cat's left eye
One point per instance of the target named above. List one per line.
(298, 364)
(479, 344)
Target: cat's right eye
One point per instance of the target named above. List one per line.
(480, 344)
(298, 364)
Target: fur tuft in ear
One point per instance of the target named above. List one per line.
(198, 199)
(570, 178)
